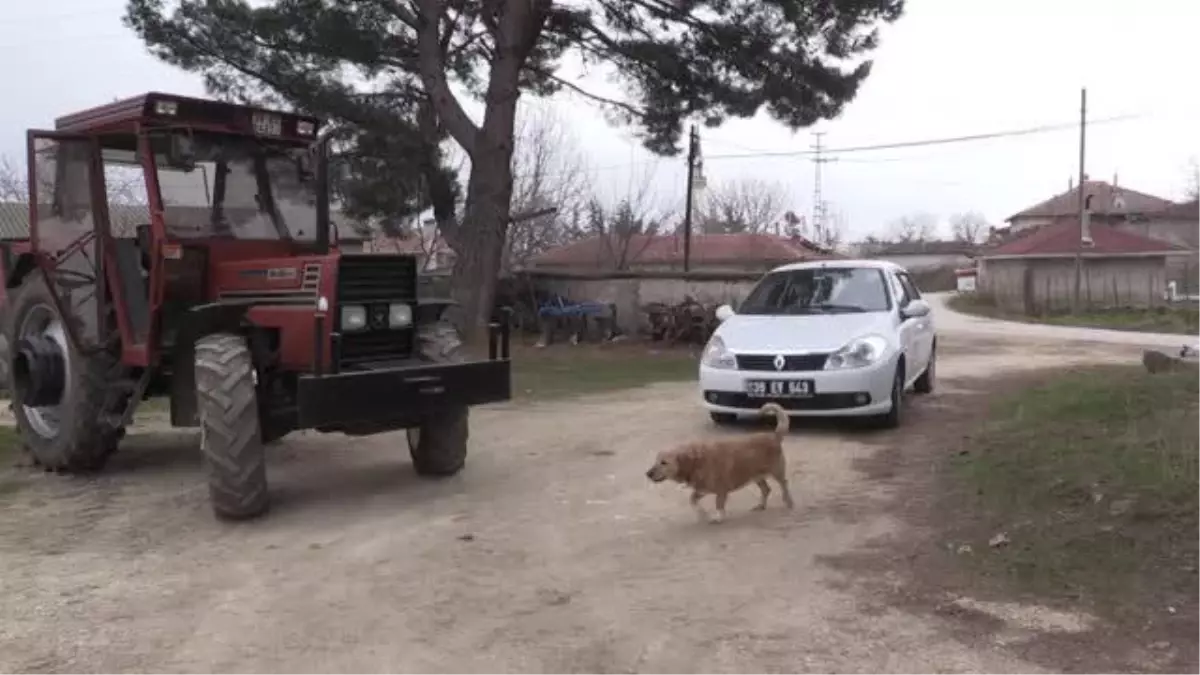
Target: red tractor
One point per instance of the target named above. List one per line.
(232, 298)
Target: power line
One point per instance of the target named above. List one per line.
(1046, 128)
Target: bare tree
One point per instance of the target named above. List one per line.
(915, 227)
(746, 205)
(1193, 178)
(829, 231)
(550, 187)
(969, 227)
(125, 183)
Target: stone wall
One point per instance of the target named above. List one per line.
(628, 292)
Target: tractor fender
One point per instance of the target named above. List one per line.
(199, 321)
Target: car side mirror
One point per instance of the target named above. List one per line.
(915, 309)
(724, 312)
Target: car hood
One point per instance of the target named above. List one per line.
(748, 333)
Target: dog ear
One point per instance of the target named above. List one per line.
(685, 464)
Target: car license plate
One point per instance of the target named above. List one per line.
(779, 388)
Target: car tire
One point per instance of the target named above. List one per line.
(722, 419)
(892, 418)
(925, 383)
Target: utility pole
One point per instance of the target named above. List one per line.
(818, 209)
(693, 155)
(1084, 234)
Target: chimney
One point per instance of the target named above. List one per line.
(1114, 179)
(1070, 183)
(1085, 222)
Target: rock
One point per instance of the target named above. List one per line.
(964, 549)
(1120, 506)
(1158, 362)
(466, 537)
(1000, 539)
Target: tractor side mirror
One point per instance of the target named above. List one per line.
(181, 154)
(724, 312)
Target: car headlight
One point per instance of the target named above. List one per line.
(715, 355)
(354, 317)
(399, 315)
(858, 353)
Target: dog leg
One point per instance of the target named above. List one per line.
(765, 489)
(720, 514)
(695, 501)
(779, 473)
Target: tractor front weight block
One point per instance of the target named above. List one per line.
(376, 395)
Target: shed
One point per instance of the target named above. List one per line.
(1036, 273)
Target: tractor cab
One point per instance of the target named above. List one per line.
(184, 247)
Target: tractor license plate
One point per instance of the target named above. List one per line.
(779, 388)
(266, 124)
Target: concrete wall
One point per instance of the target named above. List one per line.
(1040, 285)
(630, 293)
(1182, 270)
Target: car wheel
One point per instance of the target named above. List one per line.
(925, 383)
(891, 419)
(723, 419)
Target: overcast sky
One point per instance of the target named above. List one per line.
(947, 68)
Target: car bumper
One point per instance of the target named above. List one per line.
(388, 394)
(836, 393)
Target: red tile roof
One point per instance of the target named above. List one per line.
(1106, 199)
(1063, 238)
(668, 250)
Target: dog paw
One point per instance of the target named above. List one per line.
(716, 519)
(759, 507)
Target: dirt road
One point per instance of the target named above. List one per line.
(551, 552)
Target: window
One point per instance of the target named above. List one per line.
(819, 290)
(899, 290)
(910, 286)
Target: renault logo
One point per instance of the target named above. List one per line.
(780, 362)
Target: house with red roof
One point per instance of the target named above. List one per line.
(744, 252)
(1035, 272)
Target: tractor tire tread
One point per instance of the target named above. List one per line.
(231, 443)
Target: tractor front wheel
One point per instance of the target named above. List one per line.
(439, 444)
(230, 437)
(68, 404)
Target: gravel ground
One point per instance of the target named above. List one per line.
(551, 552)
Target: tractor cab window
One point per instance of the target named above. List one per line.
(218, 186)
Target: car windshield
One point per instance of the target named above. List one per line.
(240, 189)
(819, 290)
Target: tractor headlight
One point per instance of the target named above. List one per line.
(354, 318)
(399, 315)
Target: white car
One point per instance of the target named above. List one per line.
(841, 338)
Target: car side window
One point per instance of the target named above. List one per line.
(899, 290)
(910, 286)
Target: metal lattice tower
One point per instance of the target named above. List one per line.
(819, 208)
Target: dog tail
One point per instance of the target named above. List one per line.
(782, 421)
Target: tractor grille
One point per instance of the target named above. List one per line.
(375, 281)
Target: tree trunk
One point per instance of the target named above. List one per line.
(480, 245)
(484, 228)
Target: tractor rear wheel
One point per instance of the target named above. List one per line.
(230, 437)
(439, 445)
(68, 405)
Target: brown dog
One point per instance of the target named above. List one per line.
(723, 466)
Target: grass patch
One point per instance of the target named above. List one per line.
(566, 370)
(1093, 478)
(1178, 320)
